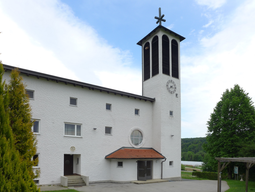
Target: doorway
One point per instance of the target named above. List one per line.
(68, 164)
(144, 170)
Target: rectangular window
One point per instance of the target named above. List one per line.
(36, 158)
(137, 111)
(120, 164)
(108, 106)
(72, 129)
(171, 113)
(35, 127)
(73, 101)
(108, 130)
(36, 182)
(171, 163)
(30, 94)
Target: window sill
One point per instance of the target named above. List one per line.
(73, 105)
(73, 136)
(36, 133)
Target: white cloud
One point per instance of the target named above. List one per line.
(225, 59)
(19, 50)
(208, 24)
(214, 4)
(46, 36)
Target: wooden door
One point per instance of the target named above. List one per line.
(68, 165)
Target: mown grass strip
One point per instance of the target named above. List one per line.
(239, 186)
(68, 190)
(188, 175)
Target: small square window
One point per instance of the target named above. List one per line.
(108, 106)
(36, 158)
(35, 127)
(73, 101)
(120, 164)
(137, 111)
(108, 130)
(30, 94)
(171, 113)
(171, 163)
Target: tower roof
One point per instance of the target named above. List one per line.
(157, 29)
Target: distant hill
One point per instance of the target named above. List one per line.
(192, 149)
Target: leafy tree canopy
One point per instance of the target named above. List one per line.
(192, 149)
(231, 124)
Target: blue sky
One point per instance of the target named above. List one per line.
(95, 42)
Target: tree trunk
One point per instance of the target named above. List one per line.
(230, 172)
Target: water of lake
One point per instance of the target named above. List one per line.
(194, 163)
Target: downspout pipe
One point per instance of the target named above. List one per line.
(162, 167)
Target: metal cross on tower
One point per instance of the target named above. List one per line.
(160, 18)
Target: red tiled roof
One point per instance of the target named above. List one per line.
(133, 153)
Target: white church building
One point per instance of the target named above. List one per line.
(106, 135)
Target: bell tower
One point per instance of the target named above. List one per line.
(161, 80)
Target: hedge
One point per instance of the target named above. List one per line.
(208, 175)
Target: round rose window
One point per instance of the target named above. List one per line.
(136, 137)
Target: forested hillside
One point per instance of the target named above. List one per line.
(192, 149)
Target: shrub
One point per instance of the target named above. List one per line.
(183, 167)
(208, 175)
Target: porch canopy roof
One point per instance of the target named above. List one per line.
(135, 153)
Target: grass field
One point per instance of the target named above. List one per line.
(188, 175)
(68, 190)
(234, 185)
(239, 186)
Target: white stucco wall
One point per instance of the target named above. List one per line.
(51, 107)
(166, 128)
(129, 170)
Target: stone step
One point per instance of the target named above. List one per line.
(75, 180)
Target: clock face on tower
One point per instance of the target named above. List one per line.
(171, 86)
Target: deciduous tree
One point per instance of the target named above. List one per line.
(231, 123)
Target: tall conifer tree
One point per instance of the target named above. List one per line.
(14, 175)
(20, 120)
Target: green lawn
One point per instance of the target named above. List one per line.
(68, 190)
(239, 186)
(188, 175)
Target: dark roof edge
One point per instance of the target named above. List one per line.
(78, 83)
(160, 26)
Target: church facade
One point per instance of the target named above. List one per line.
(106, 134)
